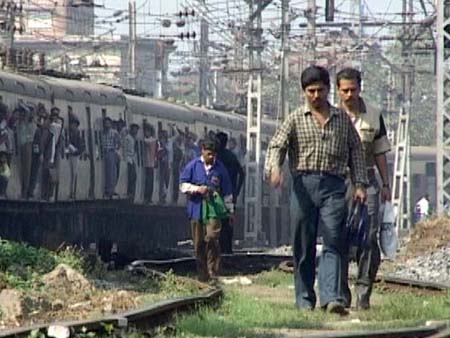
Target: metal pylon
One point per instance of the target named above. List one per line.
(443, 106)
(253, 168)
(401, 180)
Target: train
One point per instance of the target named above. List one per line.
(91, 103)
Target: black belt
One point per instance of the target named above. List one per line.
(318, 173)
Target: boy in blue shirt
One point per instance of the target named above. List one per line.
(207, 184)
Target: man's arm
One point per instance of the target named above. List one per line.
(276, 151)
(380, 147)
(240, 179)
(357, 163)
(186, 185)
(227, 190)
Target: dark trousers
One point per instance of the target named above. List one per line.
(148, 189)
(34, 174)
(3, 185)
(206, 247)
(50, 177)
(319, 197)
(368, 258)
(164, 178)
(131, 187)
(226, 237)
(111, 172)
(175, 181)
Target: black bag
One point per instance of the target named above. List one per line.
(357, 226)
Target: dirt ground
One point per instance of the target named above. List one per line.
(428, 236)
(67, 295)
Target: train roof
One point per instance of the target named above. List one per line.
(24, 85)
(159, 108)
(82, 91)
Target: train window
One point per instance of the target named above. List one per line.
(430, 169)
(70, 93)
(21, 85)
(41, 89)
(160, 127)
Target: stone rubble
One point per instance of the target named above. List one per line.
(432, 267)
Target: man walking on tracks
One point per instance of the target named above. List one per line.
(237, 175)
(322, 142)
(370, 126)
(207, 184)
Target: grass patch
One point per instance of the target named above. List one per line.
(273, 278)
(268, 305)
(21, 265)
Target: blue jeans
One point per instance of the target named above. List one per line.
(319, 197)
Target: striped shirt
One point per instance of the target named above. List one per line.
(332, 149)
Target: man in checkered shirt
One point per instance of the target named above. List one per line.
(322, 144)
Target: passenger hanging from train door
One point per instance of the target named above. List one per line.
(130, 153)
(150, 161)
(175, 148)
(163, 165)
(110, 149)
(36, 160)
(51, 144)
(370, 126)
(237, 176)
(207, 184)
(75, 148)
(25, 131)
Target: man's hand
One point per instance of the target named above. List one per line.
(276, 178)
(202, 190)
(360, 194)
(385, 194)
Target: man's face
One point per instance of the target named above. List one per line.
(317, 94)
(108, 124)
(349, 92)
(133, 131)
(208, 156)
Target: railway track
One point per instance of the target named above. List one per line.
(152, 316)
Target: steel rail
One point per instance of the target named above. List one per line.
(144, 318)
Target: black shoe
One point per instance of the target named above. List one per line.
(336, 307)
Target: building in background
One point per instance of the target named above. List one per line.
(57, 18)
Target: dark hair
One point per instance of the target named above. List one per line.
(209, 145)
(221, 139)
(107, 118)
(54, 110)
(315, 74)
(134, 125)
(349, 74)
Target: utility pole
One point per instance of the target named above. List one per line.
(204, 64)
(311, 29)
(443, 109)
(253, 168)
(401, 190)
(132, 41)
(283, 109)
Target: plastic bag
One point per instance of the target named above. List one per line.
(388, 233)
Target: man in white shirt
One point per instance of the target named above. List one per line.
(423, 207)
